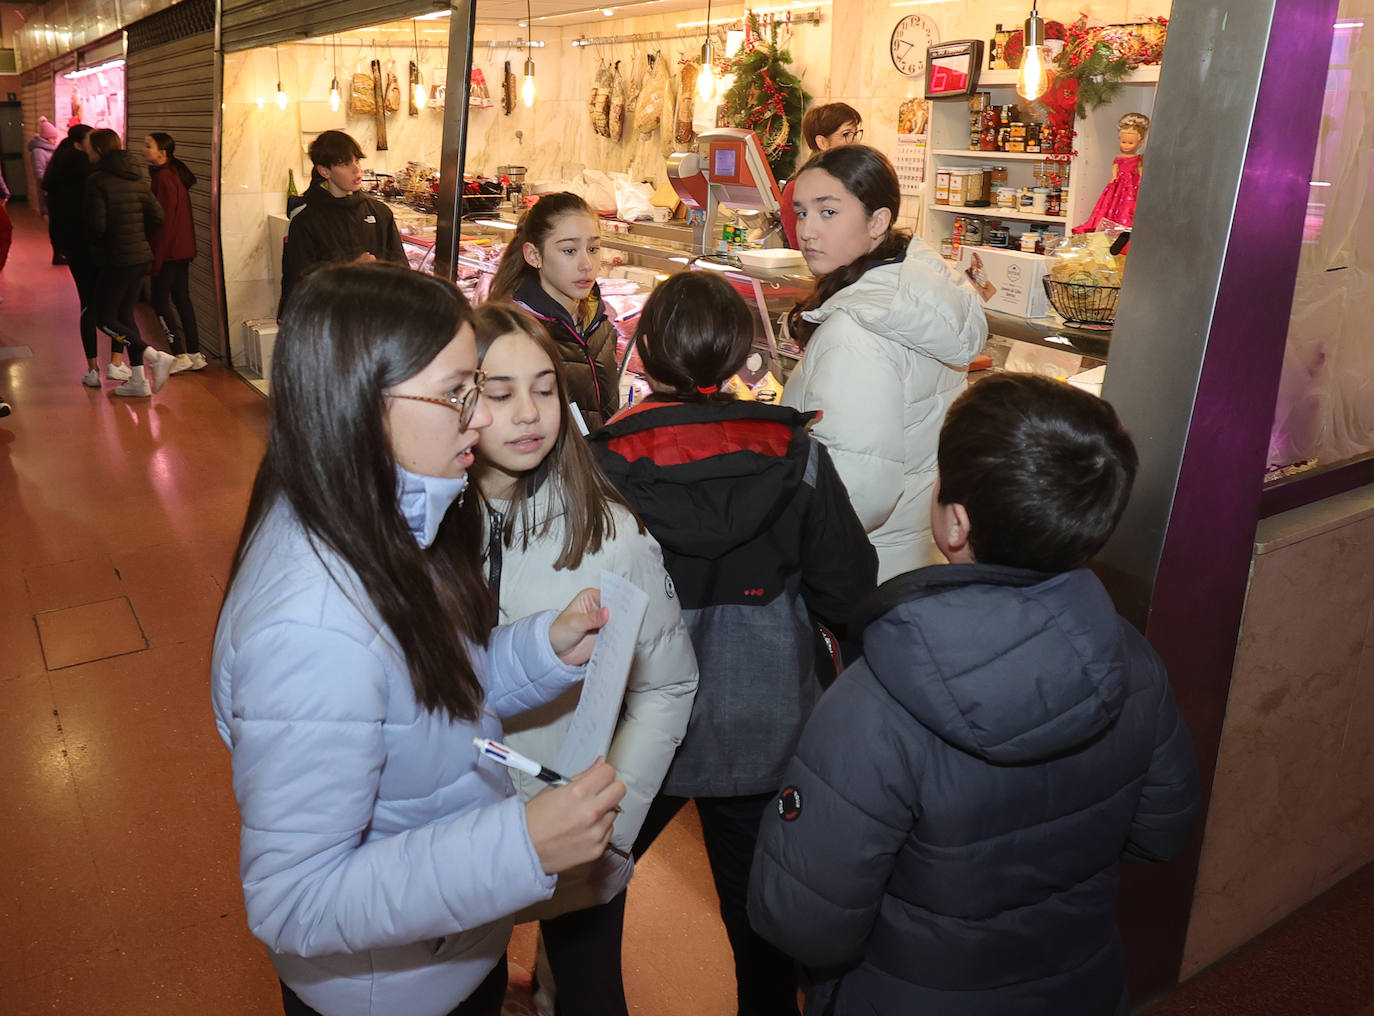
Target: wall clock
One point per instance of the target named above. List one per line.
(910, 39)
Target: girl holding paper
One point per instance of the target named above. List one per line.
(553, 522)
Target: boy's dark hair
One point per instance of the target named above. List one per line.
(826, 119)
(694, 333)
(78, 131)
(1043, 469)
(334, 148)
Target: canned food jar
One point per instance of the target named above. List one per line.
(973, 231)
(1028, 241)
(947, 248)
(999, 236)
(1039, 198)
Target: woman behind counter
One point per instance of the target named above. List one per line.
(353, 665)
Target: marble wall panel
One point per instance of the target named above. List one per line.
(1294, 781)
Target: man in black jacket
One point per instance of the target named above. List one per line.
(338, 222)
(948, 834)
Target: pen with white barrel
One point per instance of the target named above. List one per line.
(512, 759)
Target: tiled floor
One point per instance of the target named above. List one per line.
(119, 891)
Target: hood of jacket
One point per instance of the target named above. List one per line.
(530, 295)
(686, 468)
(318, 198)
(68, 167)
(43, 143)
(901, 301)
(124, 164)
(1010, 665)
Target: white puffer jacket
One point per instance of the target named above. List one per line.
(658, 694)
(885, 363)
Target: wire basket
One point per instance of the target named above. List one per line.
(1081, 304)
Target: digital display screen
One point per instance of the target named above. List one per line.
(724, 163)
(952, 68)
(950, 74)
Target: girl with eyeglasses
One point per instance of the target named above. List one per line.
(355, 663)
(824, 127)
(888, 334)
(553, 522)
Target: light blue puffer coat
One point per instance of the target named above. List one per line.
(380, 857)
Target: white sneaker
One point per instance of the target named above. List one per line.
(118, 371)
(182, 362)
(134, 389)
(91, 379)
(198, 361)
(159, 365)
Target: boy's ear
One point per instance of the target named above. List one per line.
(951, 530)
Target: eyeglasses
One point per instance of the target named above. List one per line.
(464, 403)
(852, 137)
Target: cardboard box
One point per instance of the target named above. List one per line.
(1007, 280)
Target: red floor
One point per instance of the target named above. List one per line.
(119, 891)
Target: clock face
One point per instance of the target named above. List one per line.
(910, 39)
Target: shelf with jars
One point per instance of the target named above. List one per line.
(981, 170)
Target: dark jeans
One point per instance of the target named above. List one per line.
(117, 290)
(765, 978)
(484, 1001)
(83, 274)
(583, 949)
(172, 285)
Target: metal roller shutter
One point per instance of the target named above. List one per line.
(247, 24)
(170, 77)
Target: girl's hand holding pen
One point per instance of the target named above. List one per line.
(573, 632)
(572, 824)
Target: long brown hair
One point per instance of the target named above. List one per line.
(577, 485)
(867, 174)
(350, 333)
(535, 227)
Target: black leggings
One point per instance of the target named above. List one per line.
(172, 285)
(83, 274)
(117, 291)
(485, 999)
(765, 977)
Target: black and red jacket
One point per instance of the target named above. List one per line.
(758, 534)
(588, 351)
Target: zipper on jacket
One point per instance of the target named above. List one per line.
(495, 522)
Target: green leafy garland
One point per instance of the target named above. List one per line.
(766, 97)
(1099, 76)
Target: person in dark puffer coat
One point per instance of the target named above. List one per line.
(120, 211)
(948, 834)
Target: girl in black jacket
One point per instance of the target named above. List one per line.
(120, 212)
(757, 531)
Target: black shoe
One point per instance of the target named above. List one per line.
(59, 259)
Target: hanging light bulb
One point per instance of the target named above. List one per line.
(282, 100)
(527, 87)
(334, 96)
(421, 96)
(1033, 77)
(706, 80)
(418, 91)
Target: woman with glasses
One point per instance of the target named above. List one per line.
(355, 663)
(823, 127)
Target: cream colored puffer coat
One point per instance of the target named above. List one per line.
(888, 359)
(658, 694)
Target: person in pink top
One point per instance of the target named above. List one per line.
(174, 247)
(824, 126)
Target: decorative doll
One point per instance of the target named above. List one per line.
(1117, 202)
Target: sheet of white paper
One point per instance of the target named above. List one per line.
(598, 710)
